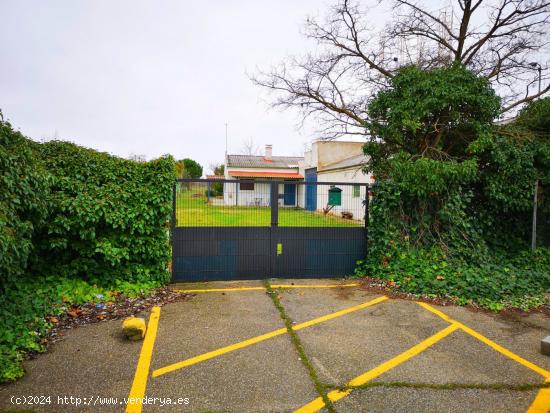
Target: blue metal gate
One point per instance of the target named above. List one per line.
(217, 235)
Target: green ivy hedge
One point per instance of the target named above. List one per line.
(108, 217)
(23, 189)
(75, 224)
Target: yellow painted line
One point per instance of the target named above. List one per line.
(289, 286)
(336, 395)
(257, 339)
(314, 285)
(217, 290)
(541, 404)
(490, 343)
(137, 392)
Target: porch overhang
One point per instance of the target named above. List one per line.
(254, 174)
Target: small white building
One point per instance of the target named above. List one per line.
(334, 161)
(251, 168)
(326, 161)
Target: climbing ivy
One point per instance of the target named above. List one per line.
(452, 207)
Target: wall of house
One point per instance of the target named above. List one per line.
(324, 153)
(350, 203)
(301, 196)
(329, 152)
(233, 195)
(260, 196)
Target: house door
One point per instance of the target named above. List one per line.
(311, 189)
(290, 194)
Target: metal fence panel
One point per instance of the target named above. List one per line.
(238, 229)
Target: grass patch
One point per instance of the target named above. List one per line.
(194, 211)
(319, 386)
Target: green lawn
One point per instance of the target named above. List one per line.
(193, 211)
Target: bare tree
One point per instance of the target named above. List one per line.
(217, 168)
(137, 157)
(249, 147)
(496, 39)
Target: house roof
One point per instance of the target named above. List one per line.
(254, 174)
(253, 161)
(215, 177)
(358, 160)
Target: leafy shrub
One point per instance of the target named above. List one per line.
(451, 213)
(23, 187)
(494, 282)
(108, 217)
(74, 223)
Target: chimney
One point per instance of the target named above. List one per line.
(268, 151)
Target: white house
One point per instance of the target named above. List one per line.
(250, 168)
(326, 161)
(334, 161)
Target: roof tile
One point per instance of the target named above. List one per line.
(253, 161)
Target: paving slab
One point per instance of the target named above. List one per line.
(461, 358)
(268, 376)
(210, 321)
(348, 346)
(216, 284)
(519, 334)
(264, 377)
(93, 360)
(409, 400)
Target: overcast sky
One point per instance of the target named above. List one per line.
(150, 77)
(154, 77)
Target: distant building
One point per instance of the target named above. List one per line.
(251, 168)
(326, 161)
(334, 161)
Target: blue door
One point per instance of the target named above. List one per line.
(311, 190)
(290, 194)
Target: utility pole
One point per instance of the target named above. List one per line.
(535, 196)
(226, 139)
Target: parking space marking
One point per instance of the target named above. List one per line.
(541, 404)
(219, 290)
(137, 392)
(544, 373)
(227, 349)
(275, 286)
(336, 395)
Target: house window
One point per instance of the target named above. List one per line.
(356, 191)
(246, 185)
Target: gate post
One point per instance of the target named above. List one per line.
(274, 203)
(367, 218)
(367, 206)
(173, 226)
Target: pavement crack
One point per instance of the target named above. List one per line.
(443, 386)
(318, 384)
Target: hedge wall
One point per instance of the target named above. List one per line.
(75, 225)
(75, 212)
(23, 189)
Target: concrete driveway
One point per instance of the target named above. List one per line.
(228, 350)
